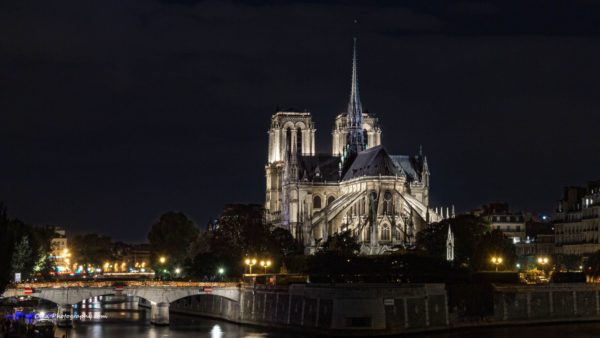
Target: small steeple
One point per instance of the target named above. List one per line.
(450, 245)
(354, 118)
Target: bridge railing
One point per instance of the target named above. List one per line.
(110, 284)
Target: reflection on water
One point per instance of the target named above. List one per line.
(110, 308)
(125, 318)
(181, 327)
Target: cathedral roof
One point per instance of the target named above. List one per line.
(412, 165)
(376, 161)
(320, 167)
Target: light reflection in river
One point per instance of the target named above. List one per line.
(129, 320)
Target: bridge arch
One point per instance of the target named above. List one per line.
(160, 297)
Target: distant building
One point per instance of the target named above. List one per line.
(135, 256)
(577, 221)
(539, 239)
(60, 254)
(512, 224)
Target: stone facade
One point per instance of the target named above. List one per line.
(382, 199)
(577, 222)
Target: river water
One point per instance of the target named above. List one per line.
(128, 320)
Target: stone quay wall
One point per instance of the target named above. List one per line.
(340, 309)
(547, 303)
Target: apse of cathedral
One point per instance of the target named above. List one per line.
(382, 199)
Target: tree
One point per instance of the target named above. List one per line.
(23, 249)
(342, 244)
(565, 262)
(284, 243)
(171, 237)
(468, 232)
(593, 265)
(494, 243)
(6, 249)
(42, 244)
(242, 231)
(22, 261)
(92, 249)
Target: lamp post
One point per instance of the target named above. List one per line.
(265, 265)
(496, 261)
(162, 260)
(221, 272)
(543, 261)
(250, 263)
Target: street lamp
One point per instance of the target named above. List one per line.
(221, 272)
(250, 263)
(162, 259)
(177, 271)
(496, 261)
(543, 261)
(265, 265)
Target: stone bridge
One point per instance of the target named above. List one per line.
(159, 294)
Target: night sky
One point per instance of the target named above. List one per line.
(113, 112)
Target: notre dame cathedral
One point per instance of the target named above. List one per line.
(382, 199)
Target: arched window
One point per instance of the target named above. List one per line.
(387, 203)
(330, 200)
(366, 138)
(317, 202)
(288, 138)
(385, 232)
(299, 141)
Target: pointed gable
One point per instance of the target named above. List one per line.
(372, 162)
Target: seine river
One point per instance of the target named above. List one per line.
(186, 327)
(129, 320)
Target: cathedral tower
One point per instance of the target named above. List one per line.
(291, 134)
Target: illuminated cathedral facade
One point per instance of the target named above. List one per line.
(382, 199)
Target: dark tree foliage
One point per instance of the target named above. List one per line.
(593, 265)
(22, 261)
(171, 237)
(468, 231)
(23, 249)
(332, 267)
(42, 242)
(567, 262)
(284, 243)
(240, 232)
(6, 248)
(342, 244)
(494, 243)
(92, 249)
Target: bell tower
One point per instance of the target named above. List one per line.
(291, 134)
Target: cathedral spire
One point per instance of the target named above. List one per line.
(355, 125)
